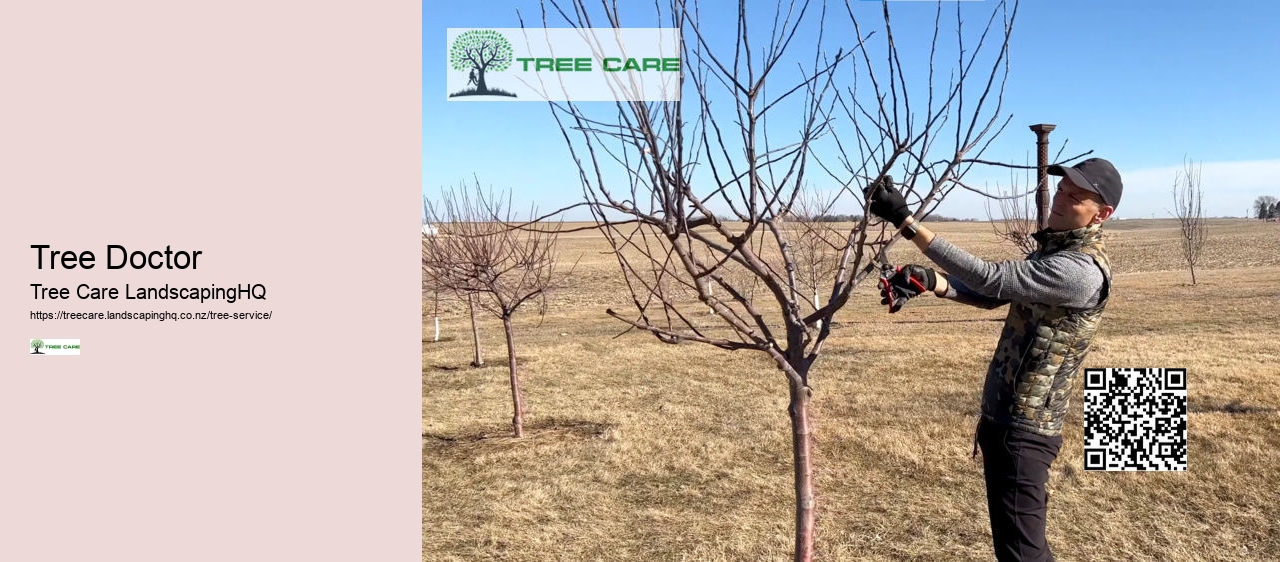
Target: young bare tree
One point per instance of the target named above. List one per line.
(427, 285)
(1186, 204)
(480, 255)
(1017, 219)
(685, 191)
(817, 244)
(1019, 214)
(435, 308)
(429, 282)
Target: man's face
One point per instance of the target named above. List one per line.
(1075, 207)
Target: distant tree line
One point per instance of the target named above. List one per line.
(857, 218)
(944, 218)
(839, 218)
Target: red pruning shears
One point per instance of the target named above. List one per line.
(887, 270)
(892, 297)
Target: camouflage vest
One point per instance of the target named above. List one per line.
(1042, 347)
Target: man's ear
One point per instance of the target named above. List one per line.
(1104, 213)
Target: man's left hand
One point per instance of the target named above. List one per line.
(886, 202)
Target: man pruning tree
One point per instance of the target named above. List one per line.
(1056, 297)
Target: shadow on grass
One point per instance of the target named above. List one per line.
(1232, 407)
(497, 437)
(947, 321)
(441, 340)
(502, 362)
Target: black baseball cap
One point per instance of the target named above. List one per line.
(1096, 175)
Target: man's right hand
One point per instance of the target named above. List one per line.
(906, 283)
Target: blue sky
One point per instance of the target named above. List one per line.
(1144, 84)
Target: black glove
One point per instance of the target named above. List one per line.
(907, 282)
(886, 202)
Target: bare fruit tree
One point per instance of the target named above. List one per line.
(1020, 216)
(427, 283)
(687, 191)
(1017, 219)
(481, 256)
(816, 244)
(1187, 198)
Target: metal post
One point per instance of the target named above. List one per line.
(1042, 179)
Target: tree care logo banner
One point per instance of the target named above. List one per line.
(588, 64)
(54, 347)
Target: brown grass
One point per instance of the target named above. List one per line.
(636, 450)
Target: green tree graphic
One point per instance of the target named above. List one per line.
(36, 345)
(478, 51)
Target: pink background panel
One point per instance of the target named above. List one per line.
(282, 139)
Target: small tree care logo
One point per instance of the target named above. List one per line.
(55, 347)
(477, 52)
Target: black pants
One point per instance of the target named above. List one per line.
(1016, 466)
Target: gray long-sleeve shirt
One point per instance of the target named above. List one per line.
(1068, 279)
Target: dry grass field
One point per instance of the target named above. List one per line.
(637, 450)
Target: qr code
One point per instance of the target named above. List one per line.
(1135, 419)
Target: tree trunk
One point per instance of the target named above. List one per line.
(1193, 274)
(480, 84)
(817, 303)
(436, 320)
(517, 399)
(802, 456)
(475, 333)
